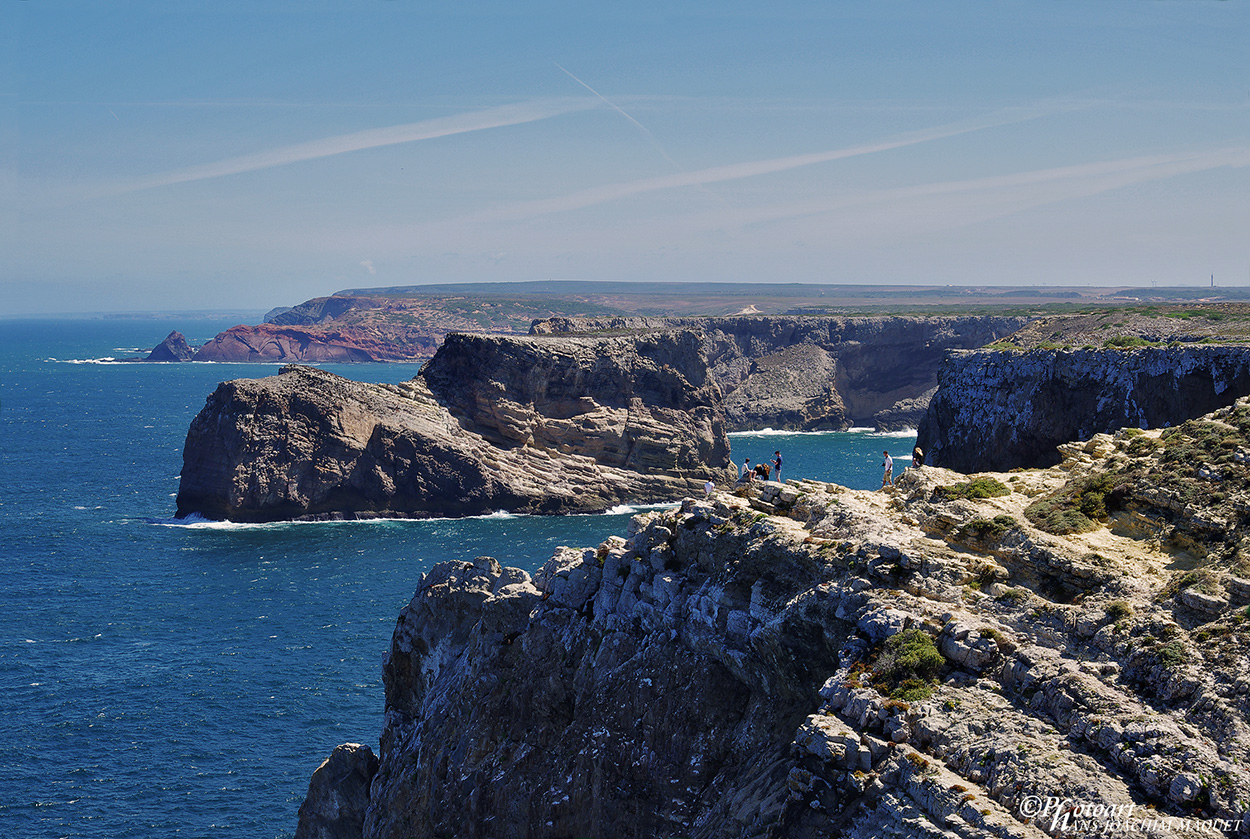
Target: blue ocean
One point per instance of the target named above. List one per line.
(159, 678)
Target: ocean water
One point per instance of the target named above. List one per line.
(165, 679)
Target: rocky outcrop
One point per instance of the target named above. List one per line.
(338, 795)
(804, 660)
(1003, 409)
(818, 372)
(521, 424)
(173, 348)
(273, 342)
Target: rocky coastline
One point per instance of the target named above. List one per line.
(1001, 655)
(492, 423)
(1005, 408)
(817, 373)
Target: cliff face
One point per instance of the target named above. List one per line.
(818, 372)
(520, 424)
(277, 342)
(1000, 410)
(812, 661)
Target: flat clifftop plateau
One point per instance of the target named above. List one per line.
(950, 657)
(1003, 409)
(808, 373)
(490, 424)
(339, 343)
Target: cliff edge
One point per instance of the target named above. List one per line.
(1053, 652)
(807, 373)
(491, 423)
(1003, 408)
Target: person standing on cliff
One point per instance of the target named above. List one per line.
(888, 477)
(777, 466)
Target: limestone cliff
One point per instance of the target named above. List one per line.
(1002, 409)
(818, 372)
(315, 343)
(492, 423)
(939, 659)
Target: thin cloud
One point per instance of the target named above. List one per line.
(977, 199)
(373, 138)
(749, 169)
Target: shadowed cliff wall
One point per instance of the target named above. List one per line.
(1000, 410)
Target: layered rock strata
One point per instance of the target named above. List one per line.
(806, 661)
(520, 424)
(818, 372)
(283, 343)
(1003, 409)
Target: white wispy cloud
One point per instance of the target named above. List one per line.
(754, 168)
(951, 203)
(506, 115)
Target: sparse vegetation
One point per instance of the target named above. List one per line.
(987, 529)
(976, 488)
(1119, 610)
(1076, 508)
(908, 666)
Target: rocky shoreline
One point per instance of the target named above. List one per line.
(523, 425)
(952, 657)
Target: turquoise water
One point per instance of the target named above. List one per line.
(159, 679)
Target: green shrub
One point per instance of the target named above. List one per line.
(1171, 654)
(908, 666)
(986, 529)
(1013, 596)
(1126, 342)
(976, 488)
(1118, 610)
(1075, 508)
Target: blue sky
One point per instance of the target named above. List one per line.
(159, 155)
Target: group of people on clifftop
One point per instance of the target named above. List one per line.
(887, 479)
(766, 471)
(762, 471)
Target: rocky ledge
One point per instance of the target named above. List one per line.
(1056, 652)
(817, 372)
(1004, 408)
(491, 423)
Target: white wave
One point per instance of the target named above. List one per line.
(195, 521)
(634, 509)
(858, 429)
(108, 359)
(498, 514)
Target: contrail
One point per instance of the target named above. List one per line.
(650, 137)
(373, 138)
(749, 169)
(953, 203)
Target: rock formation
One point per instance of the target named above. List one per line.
(818, 372)
(522, 424)
(338, 795)
(938, 659)
(275, 342)
(173, 348)
(1002, 409)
